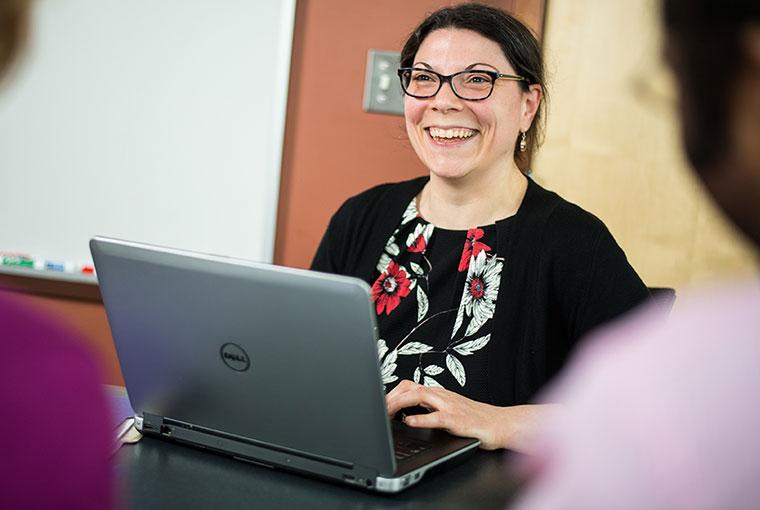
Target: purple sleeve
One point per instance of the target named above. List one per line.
(55, 427)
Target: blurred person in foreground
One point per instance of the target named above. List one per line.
(54, 425)
(666, 415)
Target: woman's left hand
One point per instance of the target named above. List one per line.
(495, 427)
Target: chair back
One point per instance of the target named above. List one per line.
(664, 297)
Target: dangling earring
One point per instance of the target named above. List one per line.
(523, 142)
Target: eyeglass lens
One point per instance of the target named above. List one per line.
(467, 85)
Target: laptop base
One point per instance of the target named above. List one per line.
(409, 471)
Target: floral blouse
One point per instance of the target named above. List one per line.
(435, 295)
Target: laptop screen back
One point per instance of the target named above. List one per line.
(283, 356)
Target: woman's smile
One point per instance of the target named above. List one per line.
(451, 136)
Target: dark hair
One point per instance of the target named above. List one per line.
(704, 42)
(518, 43)
(13, 20)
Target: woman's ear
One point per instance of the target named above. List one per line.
(531, 100)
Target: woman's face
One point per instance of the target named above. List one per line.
(455, 138)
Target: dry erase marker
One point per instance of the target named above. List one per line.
(85, 268)
(54, 266)
(63, 267)
(17, 260)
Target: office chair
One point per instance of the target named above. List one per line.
(663, 296)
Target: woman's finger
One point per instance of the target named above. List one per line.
(403, 386)
(434, 420)
(400, 389)
(417, 396)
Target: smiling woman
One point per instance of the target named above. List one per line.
(483, 281)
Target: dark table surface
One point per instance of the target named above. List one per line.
(159, 474)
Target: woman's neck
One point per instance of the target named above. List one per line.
(461, 204)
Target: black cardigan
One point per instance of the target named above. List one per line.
(563, 275)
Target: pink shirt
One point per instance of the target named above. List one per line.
(660, 413)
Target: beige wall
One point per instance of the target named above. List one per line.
(612, 144)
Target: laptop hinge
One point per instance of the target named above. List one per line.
(151, 423)
(165, 427)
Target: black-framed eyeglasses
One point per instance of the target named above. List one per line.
(468, 85)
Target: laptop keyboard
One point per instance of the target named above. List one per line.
(406, 448)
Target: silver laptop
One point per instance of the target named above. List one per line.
(271, 365)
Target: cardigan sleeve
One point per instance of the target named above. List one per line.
(330, 255)
(357, 232)
(594, 282)
(353, 236)
(613, 289)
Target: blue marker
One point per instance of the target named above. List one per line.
(55, 266)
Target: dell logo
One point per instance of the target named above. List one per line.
(235, 357)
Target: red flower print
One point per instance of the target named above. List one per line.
(472, 247)
(389, 288)
(477, 288)
(419, 245)
(417, 240)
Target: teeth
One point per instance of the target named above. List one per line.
(451, 133)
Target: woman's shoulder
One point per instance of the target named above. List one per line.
(562, 227)
(562, 217)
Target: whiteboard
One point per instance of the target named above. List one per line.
(152, 120)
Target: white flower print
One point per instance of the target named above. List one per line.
(382, 264)
(410, 213)
(433, 370)
(430, 382)
(405, 258)
(480, 292)
(457, 369)
(387, 365)
(391, 247)
(382, 348)
(391, 250)
(469, 347)
(421, 229)
(414, 348)
(422, 304)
